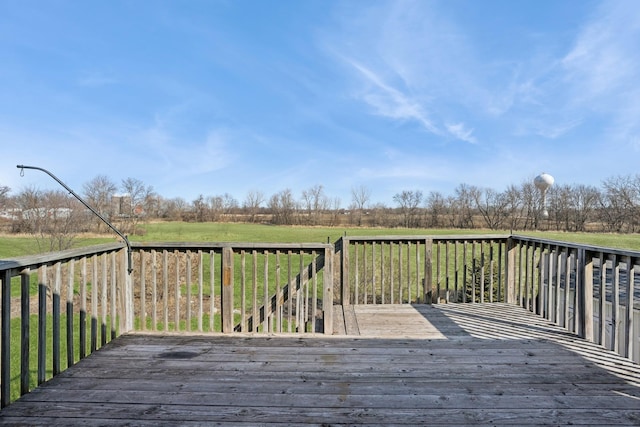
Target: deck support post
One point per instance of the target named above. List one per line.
(226, 290)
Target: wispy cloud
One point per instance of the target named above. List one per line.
(459, 131)
(391, 102)
(406, 60)
(602, 70)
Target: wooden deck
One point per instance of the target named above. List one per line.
(471, 364)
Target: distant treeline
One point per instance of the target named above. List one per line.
(614, 207)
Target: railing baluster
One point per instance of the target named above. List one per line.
(587, 298)
(629, 342)
(55, 338)
(436, 297)
(374, 290)
(143, 290)
(391, 281)
(456, 274)
(154, 292)
(400, 283)
(356, 270)
(446, 269)
(212, 292)
(188, 282)
(299, 294)
(265, 292)
(42, 322)
(5, 341)
(254, 291)
(114, 275)
(382, 275)
(25, 346)
(200, 290)
(491, 266)
(408, 272)
(364, 274)
(603, 299)
(165, 288)
(278, 326)
(314, 294)
(615, 303)
(178, 294)
(103, 301)
(482, 272)
(83, 309)
(289, 293)
(417, 293)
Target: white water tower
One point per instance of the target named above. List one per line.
(542, 183)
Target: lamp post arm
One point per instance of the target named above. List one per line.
(73, 193)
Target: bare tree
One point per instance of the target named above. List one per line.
(492, 206)
(173, 209)
(464, 199)
(584, 202)
(334, 207)
(215, 209)
(514, 207)
(53, 218)
(408, 202)
(282, 207)
(99, 193)
(435, 209)
(200, 209)
(360, 197)
(136, 203)
(252, 203)
(619, 202)
(314, 202)
(4, 195)
(561, 206)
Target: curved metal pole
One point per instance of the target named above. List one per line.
(126, 240)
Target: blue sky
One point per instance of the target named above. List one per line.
(212, 97)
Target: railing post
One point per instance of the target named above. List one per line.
(344, 272)
(585, 311)
(510, 272)
(5, 343)
(327, 292)
(226, 291)
(127, 294)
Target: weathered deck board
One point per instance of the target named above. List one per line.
(472, 364)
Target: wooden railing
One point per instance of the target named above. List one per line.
(216, 287)
(534, 273)
(97, 292)
(227, 287)
(422, 269)
(591, 291)
(57, 308)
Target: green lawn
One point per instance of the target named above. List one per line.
(13, 246)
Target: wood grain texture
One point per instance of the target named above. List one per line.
(463, 364)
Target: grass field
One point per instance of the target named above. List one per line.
(14, 246)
